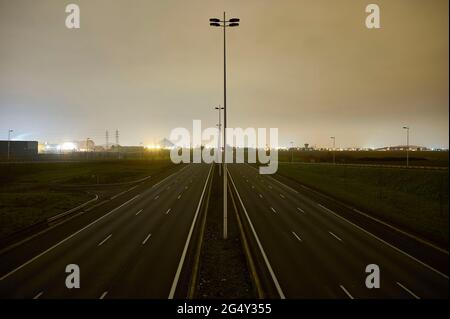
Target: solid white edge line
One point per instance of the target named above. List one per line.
(140, 211)
(103, 295)
(65, 239)
(408, 291)
(386, 243)
(401, 231)
(423, 241)
(186, 245)
(263, 253)
(346, 292)
(376, 237)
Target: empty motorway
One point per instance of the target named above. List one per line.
(134, 250)
(313, 252)
(139, 244)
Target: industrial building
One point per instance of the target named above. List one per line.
(18, 150)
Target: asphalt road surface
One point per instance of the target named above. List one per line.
(315, 253)
(135, 250)
(134, 247)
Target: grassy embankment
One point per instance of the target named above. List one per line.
(32, 192)
(414, 199)
(416, 158)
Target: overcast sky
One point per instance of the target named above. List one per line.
(310, 68)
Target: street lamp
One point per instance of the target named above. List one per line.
(292, 152)
(87, 147)
(334, 148)
(216, 22)
(407, 144)
(219, 126)
(9, 140)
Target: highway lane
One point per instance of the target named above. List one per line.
(131, 252)
(314, 253)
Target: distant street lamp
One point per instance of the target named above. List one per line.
(87, 144)
(87, 147)
(292, 152)
(219, 149)
(407, 144)
(9, 141)
(233, 22)
(334, 148)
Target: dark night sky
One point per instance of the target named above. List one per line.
(310, 68)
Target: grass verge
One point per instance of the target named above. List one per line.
(32, 192)
(415, 200)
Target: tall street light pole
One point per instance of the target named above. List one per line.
(292, 152)
(219, 146)
(233, 22)
(407, 144)
(9, 141)
(334, 149)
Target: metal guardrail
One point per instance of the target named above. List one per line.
(70, 211)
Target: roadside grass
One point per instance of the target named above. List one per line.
(415, 200)
(20, 210)
(32, 192)
(102, 172)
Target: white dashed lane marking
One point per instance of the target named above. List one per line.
(297, 236)
(104, 240)
(38, 295)
(146, 239)
(335, 236)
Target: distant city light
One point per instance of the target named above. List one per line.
(153, 147)
(68, 146)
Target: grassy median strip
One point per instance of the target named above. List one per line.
(32, 192)
(414, 199)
